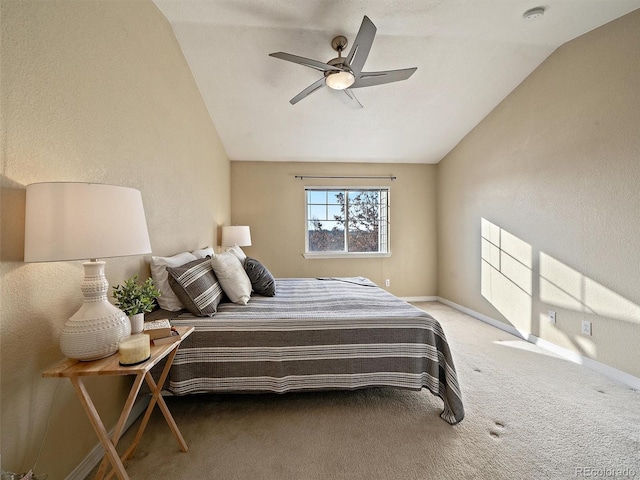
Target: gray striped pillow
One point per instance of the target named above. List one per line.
(196, 286)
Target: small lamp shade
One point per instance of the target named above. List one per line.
(86, 221)
(236, 235)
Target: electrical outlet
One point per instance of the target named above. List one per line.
(586, 327)
(552, 317)
(387, 283)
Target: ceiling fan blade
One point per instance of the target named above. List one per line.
(349, 99)
(368, 79)
(308, 91)
(361, 46)
(307, 62)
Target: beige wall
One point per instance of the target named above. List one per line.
(99, 91)
(538, 205)
(91, 91)
(267, 197)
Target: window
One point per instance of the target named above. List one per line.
(347, 221)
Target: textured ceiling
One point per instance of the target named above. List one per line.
(470, 55)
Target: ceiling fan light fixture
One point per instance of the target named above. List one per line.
(343, 72)
(340, 80)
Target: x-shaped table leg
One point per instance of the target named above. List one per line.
(156, 397)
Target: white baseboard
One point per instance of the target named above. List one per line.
(94, 457)
(606, 370)
(420, 299)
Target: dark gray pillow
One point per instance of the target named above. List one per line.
(196, 286)
(262, 281)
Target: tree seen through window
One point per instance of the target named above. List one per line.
(347, 220)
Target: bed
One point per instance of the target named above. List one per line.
(317, 334)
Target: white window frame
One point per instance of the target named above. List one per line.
(337, 254)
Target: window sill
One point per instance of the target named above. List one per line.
(329, 255)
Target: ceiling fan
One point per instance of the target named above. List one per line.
(344, 73)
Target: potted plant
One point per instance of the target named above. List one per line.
(135, 300)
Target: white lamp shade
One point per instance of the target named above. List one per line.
(80, 221)
(236, 235)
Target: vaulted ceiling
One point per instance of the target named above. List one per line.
(469, 56)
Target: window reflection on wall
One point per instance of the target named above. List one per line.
(565, 287)
(506, 274)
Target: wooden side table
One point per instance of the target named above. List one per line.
(75, 370)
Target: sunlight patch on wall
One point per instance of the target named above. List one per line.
(586, 346)
(565, 287)
(506, 274)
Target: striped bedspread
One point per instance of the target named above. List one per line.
(317, 334)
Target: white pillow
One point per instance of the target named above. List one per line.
(167, 299)
(232, 277)
(203, 252)
(238, 253)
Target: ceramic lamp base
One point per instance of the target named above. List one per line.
(95, 330)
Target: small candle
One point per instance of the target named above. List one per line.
(134, 349)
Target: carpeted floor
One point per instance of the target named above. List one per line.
(529, 415)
